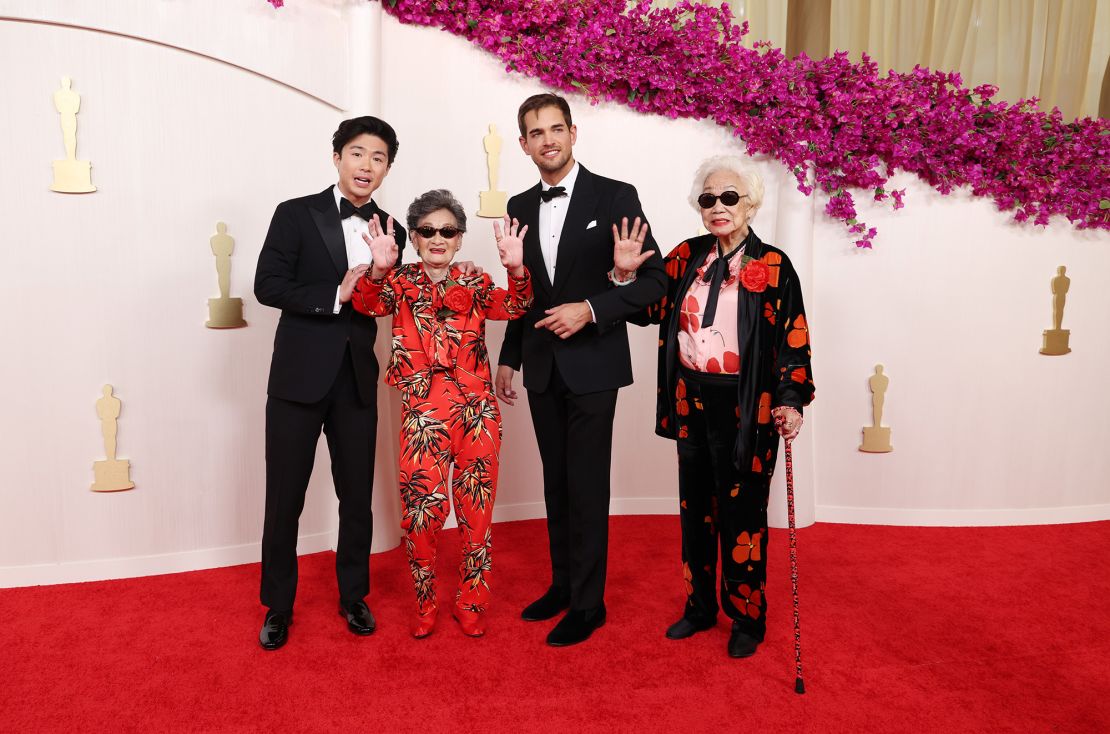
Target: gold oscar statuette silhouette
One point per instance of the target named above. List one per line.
(1056, 339)
(492, 202)
(876, 438)
(224, 312)
(71, 176)
(112, 474)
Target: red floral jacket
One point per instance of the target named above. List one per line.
(440, 326)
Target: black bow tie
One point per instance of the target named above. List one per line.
(715, 276)
(347, 209)
(553, 192)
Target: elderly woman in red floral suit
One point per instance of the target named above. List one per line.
(734, 374)
(449, 413)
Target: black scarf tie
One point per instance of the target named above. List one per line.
(715, 276)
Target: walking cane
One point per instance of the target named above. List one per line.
(799, 684)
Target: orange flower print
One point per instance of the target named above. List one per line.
(680, 389)
(688, 579)
(757, 465)
(772, 260)
(732, 362)
(769, 313)
(713, 366)
(748, 601)
(682, 432)
(734, 491)
(764, 408)
(747, 548)
(799, 374)
(688, 315)
(799, 335)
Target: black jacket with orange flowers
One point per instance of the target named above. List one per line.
(440, 325)
(774, 347)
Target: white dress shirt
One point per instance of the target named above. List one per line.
(358, 252)
(553, 214)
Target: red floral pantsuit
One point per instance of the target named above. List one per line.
(449, 414)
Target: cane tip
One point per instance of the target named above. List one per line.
(799, 685)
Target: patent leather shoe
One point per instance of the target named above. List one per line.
(741, 645)
(359, 619)
(576, 626)
(687, 627)
(275, 630)
(473, 624)
(547, 606)
(423, 623)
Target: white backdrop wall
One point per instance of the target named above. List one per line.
(190, 122)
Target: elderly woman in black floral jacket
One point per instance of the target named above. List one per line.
(734, 374)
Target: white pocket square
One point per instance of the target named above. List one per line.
(592, 224)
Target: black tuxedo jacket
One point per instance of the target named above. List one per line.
(596, 358)
(301, 264)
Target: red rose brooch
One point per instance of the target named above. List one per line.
(457, 299)
(755, 275)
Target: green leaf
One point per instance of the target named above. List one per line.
(610, 31)
(577, 84)
(506, 39)
(472, 24)
(1104, 204)
(632, 95)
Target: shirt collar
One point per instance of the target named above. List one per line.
(567, 182)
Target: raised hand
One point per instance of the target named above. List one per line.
(510, 245)
(383, 246)
(627, 247)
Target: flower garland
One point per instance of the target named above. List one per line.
(839, 127)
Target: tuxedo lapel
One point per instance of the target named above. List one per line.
(326, 217)
(579, 211)
(533, 254)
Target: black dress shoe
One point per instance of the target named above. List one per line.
(741, 645)
(547, 606)
(275, 630)
(687, 627)
(576, 626)
(359, 619)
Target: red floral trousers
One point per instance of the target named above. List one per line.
(452, 426)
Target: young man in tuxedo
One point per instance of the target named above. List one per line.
(590, 272)
(323, 373)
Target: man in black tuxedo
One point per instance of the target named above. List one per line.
(323, 373)
(574, 349)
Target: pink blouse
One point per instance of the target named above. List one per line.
(714, 349)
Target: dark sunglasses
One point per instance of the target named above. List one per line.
(728, 198)
(428, 231)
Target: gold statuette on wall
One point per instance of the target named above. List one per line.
(112, 474)
(1056, 339)
(876, 438)
(71, 176)
(224, 312)
(492, 202)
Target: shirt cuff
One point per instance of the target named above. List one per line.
(338, 305)
(613, 278)
(593, 316)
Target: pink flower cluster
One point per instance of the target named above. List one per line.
(839, 126)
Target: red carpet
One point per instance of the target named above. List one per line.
(904, 630)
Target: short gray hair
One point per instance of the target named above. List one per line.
(753, 182)
(433, 201)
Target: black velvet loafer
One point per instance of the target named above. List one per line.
(741, 645)
(687, 627)
(275, 630)
(359, 619)
(576, 626)
(547, 606)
